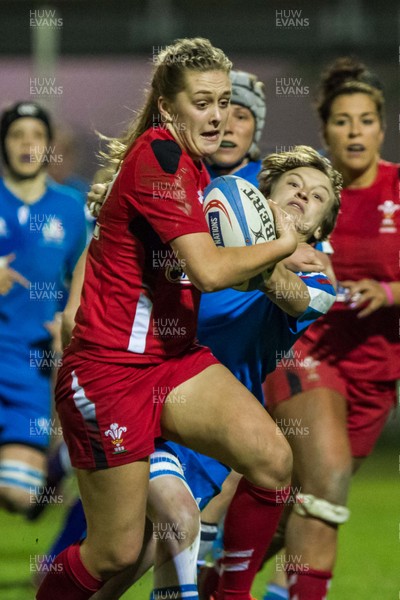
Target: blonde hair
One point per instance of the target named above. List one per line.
(171, 64)
(274, 165)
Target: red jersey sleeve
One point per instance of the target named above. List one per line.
(167, 187)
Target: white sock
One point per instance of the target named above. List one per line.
(177, 578)
(208, 534)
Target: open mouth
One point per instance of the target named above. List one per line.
(296, 205)
(356, 148)
(227, 144)
(212, 136)
(27, 158)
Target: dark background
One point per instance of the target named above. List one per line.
(99, 57)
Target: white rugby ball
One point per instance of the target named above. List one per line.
(238, 214)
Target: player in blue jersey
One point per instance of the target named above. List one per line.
(42, 233)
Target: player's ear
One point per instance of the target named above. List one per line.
(164, 108)
(318, 233)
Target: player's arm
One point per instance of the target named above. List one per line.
(308, 259)
(211, 268)
(287, 290)
(68, 316)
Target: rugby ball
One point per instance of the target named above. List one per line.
(238, 214)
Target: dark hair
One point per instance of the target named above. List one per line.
(347, 75)
(274, 165)
(171, 64)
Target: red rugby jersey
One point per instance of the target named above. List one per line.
(137, 305)
(366, 244)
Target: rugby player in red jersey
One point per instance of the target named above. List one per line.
(344, 384)
(119, 354)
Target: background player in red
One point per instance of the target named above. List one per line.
(343, 385)
(119, 352)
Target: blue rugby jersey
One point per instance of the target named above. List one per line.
(249, 334)
(47, 238)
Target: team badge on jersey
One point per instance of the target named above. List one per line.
(115, 433)
(3, 228)
(23, 214)
(311, 365)
(388, 208)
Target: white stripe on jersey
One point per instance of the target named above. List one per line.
(141, 323)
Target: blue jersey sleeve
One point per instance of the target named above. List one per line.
(322, 296)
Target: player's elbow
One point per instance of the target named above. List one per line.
(206, 283)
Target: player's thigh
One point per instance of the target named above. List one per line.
(221, 418)
(314, 423)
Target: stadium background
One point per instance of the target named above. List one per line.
(89, 62)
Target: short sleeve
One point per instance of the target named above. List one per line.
(165, 187)
(322, 296)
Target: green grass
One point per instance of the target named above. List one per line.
(368, 564)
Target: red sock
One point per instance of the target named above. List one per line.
(68, 578)
(308, 584)
(250, 524)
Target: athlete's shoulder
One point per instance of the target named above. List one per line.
(388, 176)
(250, 171)
(64, 193)
(388, 166)
(157, 149)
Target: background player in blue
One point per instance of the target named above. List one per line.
(239, 153)
(43, 232)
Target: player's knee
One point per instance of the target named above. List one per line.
(118, 555)
(180, 525)
(280, 462)
(19, 485)
(331, 482)
(271, 464)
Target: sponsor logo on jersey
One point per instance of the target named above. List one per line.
(388, 208)
(115, 433)
(53, 231)
(175, 274)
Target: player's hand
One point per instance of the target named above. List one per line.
(9, 276)
(285, 226)
(95, 198)
(366, 291)
(304, 258)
